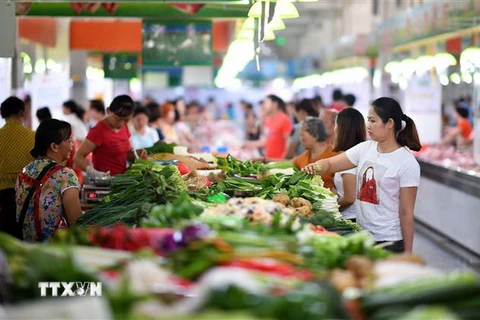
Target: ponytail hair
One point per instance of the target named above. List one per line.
(405, 129)
(74, 108)
(408, 136)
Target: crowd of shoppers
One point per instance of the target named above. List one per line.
(376, 180)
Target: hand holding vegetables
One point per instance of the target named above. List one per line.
(142, 153)
(312, 168)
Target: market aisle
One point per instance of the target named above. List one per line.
(436, 256)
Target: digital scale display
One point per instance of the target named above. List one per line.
(94, 194)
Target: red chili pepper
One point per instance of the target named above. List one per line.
(318, 228)
(183, 169)
(268, 266)
(208, 183)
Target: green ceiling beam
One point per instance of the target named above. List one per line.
(143, 10)
(139, 1)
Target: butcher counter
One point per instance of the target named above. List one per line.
(448, 203)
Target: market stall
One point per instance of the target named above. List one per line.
(234, 239)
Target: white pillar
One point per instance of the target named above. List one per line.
(78, 68)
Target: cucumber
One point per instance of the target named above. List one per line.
(374, 302)
(389, 313)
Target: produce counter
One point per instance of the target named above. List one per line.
(448, 201)
(168, 243)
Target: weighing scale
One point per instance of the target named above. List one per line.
(95, 190)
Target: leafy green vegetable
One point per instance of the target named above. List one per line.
(242, 168)
(309, 301)
(170, 214)
(345, 225)
(428, 313)
(233, 185)
(326, 252)
(161, 147)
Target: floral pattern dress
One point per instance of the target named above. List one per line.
(51, 211)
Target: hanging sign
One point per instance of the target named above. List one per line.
(177, 43)
(423, 103)
(120, 66)
(50, 91)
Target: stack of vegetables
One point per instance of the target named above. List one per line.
(134, 194)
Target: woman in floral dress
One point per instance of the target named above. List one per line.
(54, 202)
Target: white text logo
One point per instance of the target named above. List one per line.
(70, 289)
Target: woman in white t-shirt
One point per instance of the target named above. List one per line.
(388, 174)
(142, 136)
(73, 115)
(349, 131)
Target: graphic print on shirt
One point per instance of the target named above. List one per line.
(369, 177)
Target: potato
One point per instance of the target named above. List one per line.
(282, 198)
(359, 265)
(300, 202)
(342, 279)
(304, 211)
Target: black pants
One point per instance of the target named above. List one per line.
(8, 211)
(395, 246)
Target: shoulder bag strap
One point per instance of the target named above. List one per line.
(26, 203)
(36, 200)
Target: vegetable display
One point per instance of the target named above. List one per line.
(252, 245)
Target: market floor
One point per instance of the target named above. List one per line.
(436, 254)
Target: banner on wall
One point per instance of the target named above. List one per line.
(50, 91)
(423, 95)
(423, 103)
